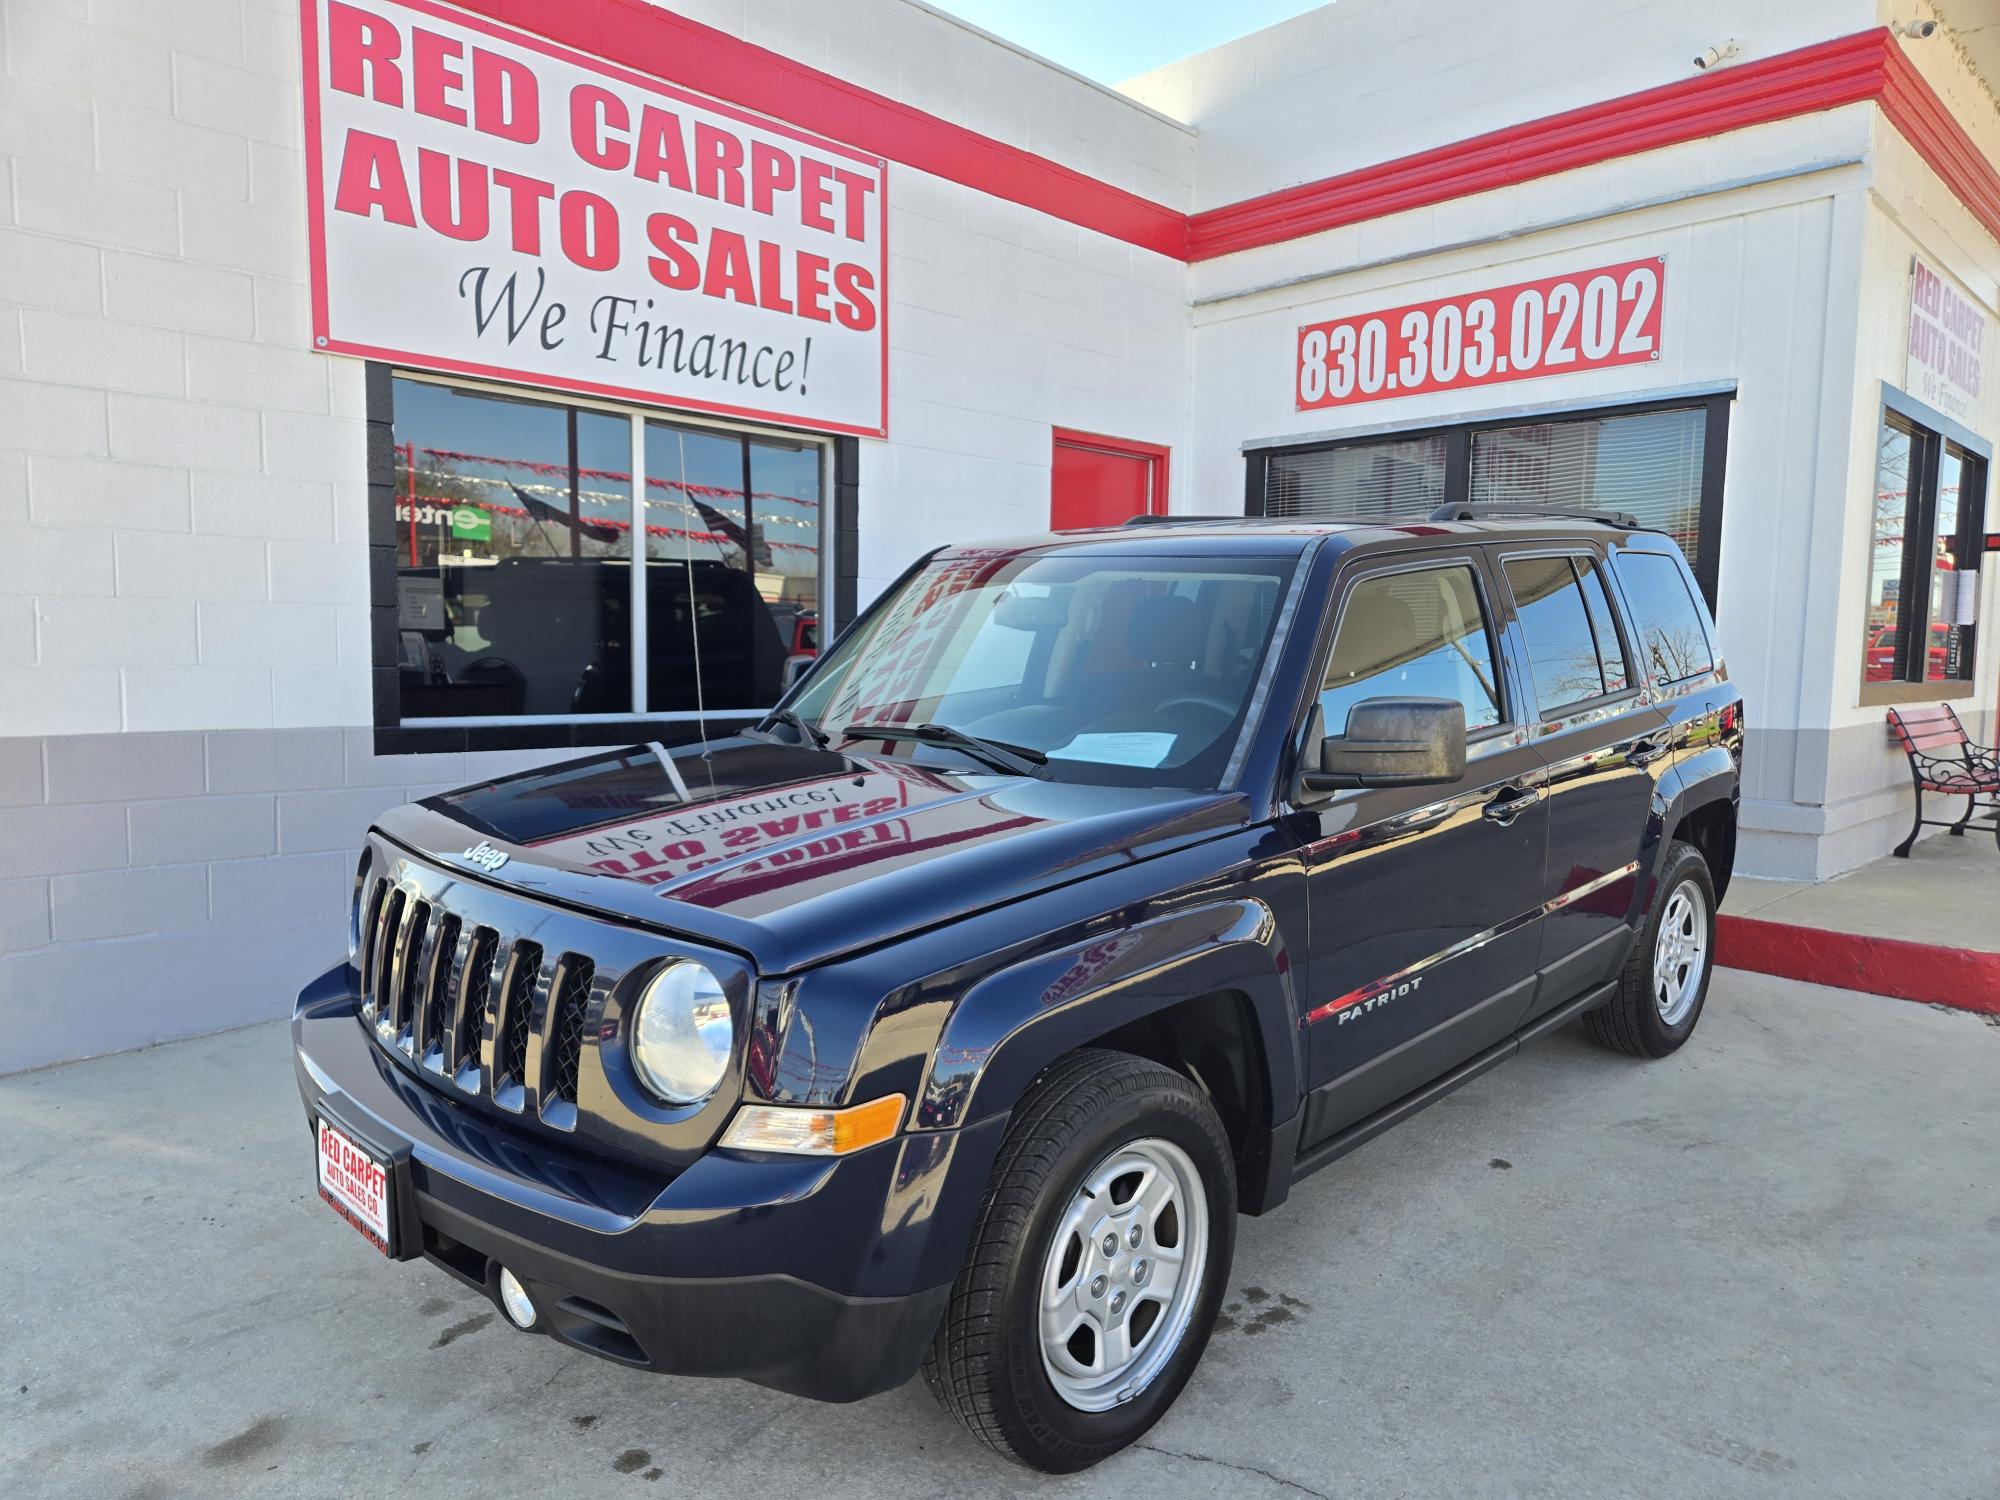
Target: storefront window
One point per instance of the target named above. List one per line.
(1925, 524)
(1664, 465)
(516, 595)
(1648, 463)
(1947, 570)
(732, 566)
(1395, 480)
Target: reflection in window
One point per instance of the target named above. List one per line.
(1946, 633)
(514, 549)
(1562, 641)
(513, 523)
(1925, 524)
(1671, 635)
(1604, 625)
(732, 565)
(1419, 634)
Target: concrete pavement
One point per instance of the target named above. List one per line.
(1767, 1267)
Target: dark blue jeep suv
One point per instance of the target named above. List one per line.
(1091, 890)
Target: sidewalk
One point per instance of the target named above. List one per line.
(1924, 928)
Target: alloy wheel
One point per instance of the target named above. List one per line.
(1123, 1274)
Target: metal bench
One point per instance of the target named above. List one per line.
(1943, 759)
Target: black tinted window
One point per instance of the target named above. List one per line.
(1664, 614)
(1418, 634)
(1562, 649)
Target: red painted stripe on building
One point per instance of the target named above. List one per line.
(1914, 108)
(1963, 978)
(1867, 66)
(699, 57)
(1827, 75)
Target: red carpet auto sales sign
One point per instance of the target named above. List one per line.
(486, 202)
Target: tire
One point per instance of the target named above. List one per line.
(1636, 1021)
(1090, 1114)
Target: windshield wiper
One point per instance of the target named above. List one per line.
(1018, 759)
(811, 734)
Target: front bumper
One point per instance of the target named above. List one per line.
(821, 1277)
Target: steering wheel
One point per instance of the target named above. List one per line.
(1212, 701)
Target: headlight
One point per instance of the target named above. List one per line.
(683, 1033)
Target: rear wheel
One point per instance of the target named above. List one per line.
(1096, 1267)
(1665, 982)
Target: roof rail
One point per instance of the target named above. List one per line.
(1462, 511)
(1179, 520)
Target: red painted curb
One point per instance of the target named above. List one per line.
(1963, 978)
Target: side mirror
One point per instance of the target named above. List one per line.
(1394, 742)
(795, 668)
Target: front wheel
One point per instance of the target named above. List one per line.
(1097, 1265)
(1665, 982)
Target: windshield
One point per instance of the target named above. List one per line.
(1123, 669)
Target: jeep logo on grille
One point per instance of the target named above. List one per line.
(484, 855)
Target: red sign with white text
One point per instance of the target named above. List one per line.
(1585, 320)
(486, 202)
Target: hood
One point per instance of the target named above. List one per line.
(791, 855)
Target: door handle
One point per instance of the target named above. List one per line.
(1650, 749)
(1508, 805)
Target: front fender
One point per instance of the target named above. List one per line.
(1016, 1020)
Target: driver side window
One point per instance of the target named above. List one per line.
(1419, 634)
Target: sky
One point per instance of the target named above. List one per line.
(1112, 40)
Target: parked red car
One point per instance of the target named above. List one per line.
(1881, 655)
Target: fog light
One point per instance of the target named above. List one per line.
(515, 1301)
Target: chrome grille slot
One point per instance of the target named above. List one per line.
(408, 975)
(570, 992)
(517, 1005)
(386, 933)
(475, 987)
(371, 914)
(434, 1010)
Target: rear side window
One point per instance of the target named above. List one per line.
(1416, 634)
(1671, 637)
(1562, 641)
(1603, 624)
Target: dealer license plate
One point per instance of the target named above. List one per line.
(356, 1183)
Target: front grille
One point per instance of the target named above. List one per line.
(572, 998)
(498, 998)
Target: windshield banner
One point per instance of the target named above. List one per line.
(486, 202)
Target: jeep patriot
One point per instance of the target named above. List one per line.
(1091, 890)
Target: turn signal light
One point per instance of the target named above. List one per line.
(815, 1132)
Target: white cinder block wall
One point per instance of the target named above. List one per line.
(185, 767)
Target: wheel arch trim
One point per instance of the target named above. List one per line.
(1013, 1022)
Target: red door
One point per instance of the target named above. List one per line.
(1102, 481)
